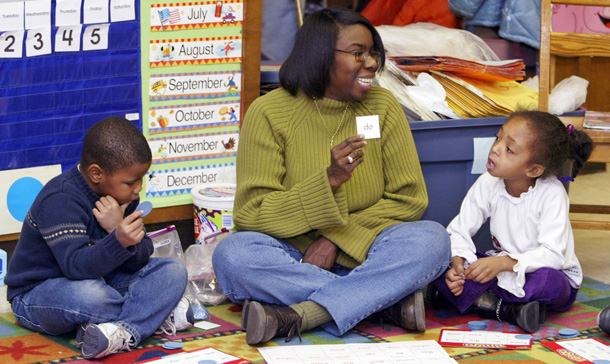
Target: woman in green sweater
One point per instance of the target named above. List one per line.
(327, 221)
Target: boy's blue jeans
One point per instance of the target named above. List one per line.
(139, 302)
(404, 258)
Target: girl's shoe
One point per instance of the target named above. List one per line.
(525, 315)
(603, 320)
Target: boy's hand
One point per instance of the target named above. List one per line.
(131, 230)
(486, 269)
(454, 277)
(109, 213)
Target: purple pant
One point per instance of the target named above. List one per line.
(548, 286)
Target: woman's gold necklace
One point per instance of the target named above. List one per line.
(332, 139)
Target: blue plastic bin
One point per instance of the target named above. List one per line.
(446, 152)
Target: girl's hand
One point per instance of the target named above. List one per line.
(340, 170)
(109, 213)
(486, 269)
(454, 277)
(321, 253)
(131, 230)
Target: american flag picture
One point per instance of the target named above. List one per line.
(164, 15)
(171, 16)
(174, 16)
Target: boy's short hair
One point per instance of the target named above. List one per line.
(114, 143)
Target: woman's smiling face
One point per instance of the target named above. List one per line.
(351, 79)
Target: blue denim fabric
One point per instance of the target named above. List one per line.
(404, 258)
(138, 301)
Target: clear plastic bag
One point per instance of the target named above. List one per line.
(167, 243)
(568, 95)
(202, 280)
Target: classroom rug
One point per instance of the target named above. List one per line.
(19, 345)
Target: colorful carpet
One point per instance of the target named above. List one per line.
(18, 345)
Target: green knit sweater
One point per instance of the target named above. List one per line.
(283, 188)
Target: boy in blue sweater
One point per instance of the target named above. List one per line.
(83, 257)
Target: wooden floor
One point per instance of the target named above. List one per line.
(593, 246)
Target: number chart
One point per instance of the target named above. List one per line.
(64, 65)
(173, 68)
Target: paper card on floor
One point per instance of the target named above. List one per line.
(206, 325)
(582, 351)
(199, 356)
(425, 351)
(484, 339)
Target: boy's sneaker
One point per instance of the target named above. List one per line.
(80, 333)
(99, 340)
(181, 318)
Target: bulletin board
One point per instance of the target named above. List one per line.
(50, 96)
(55, 84)
(191, 95)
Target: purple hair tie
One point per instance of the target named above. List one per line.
(570, 128)
(566, 179)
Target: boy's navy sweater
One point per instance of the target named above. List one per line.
(61, 237)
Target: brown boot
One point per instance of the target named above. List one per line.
(525, 315)
(409, 313)
(264, 322)
(244, 314)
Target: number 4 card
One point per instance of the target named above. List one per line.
(67, 39)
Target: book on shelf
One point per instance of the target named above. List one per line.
(597, 119)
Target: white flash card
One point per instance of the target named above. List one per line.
(368, 126)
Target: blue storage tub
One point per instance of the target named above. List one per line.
(446, 152)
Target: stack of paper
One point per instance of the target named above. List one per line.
(473, 98)
(509, 70)
(464, 97)
(597, 120)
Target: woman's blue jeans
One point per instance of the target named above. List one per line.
(404, 258)
(138, 302)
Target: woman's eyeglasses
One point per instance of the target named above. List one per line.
(361, 56)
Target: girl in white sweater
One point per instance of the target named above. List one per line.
(532, 267)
